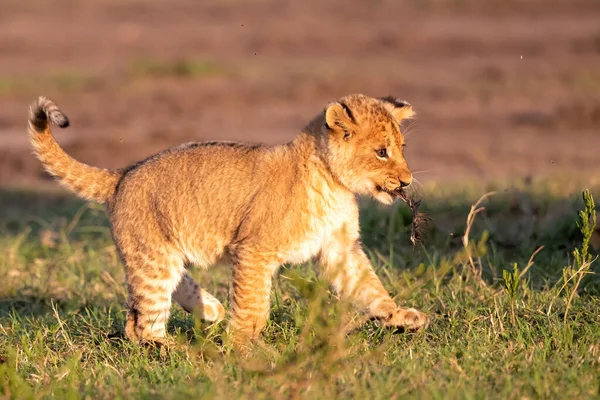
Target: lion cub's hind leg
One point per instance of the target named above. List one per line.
(192, 298)
(151, 280)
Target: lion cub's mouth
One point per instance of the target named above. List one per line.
(397, 193)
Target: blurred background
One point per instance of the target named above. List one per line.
(505, 89)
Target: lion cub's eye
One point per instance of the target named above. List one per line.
(382, 153)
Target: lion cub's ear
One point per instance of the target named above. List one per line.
(399, 109)
(339, 118)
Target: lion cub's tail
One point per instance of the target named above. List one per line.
(89, 182)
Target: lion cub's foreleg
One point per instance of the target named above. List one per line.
(250, 297)
(349, 270)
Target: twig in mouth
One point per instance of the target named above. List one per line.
(419, 219)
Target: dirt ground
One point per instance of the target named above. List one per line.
(503, 88)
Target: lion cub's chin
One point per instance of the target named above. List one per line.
(384, 197)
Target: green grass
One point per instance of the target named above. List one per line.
(62, 296)
(77, 80)
(60, 80)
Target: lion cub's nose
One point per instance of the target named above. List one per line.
(404, 184)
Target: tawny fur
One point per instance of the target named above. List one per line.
(257, 206)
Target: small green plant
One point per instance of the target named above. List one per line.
(511, 286)
(582, 259)
(586, 224)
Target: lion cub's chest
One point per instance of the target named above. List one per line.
(324, 220)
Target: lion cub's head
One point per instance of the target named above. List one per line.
(364, 145)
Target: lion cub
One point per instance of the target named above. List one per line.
(255, 205)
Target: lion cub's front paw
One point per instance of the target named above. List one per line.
(408, 319)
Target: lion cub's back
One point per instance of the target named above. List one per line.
(197, 190)
(208, 166)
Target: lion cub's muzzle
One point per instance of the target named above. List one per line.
(397, 188)
(395, 193)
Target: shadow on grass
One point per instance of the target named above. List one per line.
(42, 306)
(28, 306)
(38, 311)
(22, 208)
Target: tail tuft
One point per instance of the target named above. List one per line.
(44, 109)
